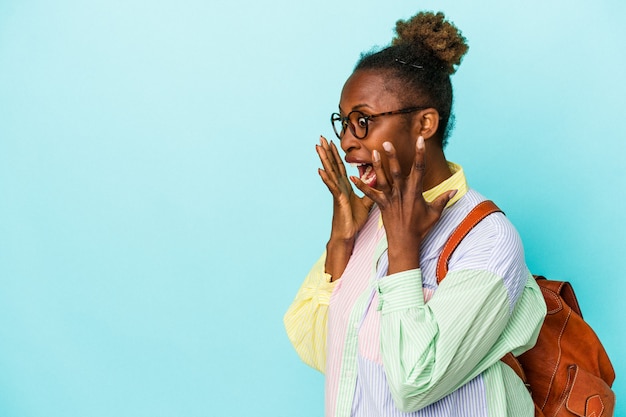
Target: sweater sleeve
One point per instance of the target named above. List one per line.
(306, 318)
(431, 349)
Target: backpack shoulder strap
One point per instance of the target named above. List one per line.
(474, 217)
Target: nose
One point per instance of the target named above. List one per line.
(349, 141)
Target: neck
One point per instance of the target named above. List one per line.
(437, 169)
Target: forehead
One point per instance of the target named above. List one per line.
(369, 90)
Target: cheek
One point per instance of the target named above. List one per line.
(406, 157)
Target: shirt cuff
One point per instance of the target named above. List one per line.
(325, 283)
(400, 291)
(320, 282)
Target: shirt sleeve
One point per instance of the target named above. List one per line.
(306, 318)
(431, 349)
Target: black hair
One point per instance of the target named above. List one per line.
(420, 60)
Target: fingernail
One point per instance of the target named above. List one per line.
(420, 143)
(387, 146)
(453, 193)
(321, 138)
(375, 155)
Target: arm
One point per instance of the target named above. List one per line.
(349, 210)
(487, 305)
(305, 320)
(431, 349)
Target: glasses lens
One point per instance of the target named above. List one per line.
(338, 124)
(358, 124)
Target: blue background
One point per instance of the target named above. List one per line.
(159, 201)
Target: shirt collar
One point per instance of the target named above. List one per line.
(456, 182)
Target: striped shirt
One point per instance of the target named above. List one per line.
(400, 345)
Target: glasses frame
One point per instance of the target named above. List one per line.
(346, 122)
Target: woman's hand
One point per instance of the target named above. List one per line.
(406, 215)
(349, 210)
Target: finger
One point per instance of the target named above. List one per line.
(368, 202)
(382, 183)
(331, 155)
(369, 192)
(326, 163)
(330, 184)
(417, 169)
(326, 147)
(340, 164)
(323, 142)
(394, 165)
(440, 202)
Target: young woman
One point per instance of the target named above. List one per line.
(370, 314)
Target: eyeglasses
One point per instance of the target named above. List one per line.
(358, 122)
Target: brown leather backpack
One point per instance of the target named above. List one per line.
(567, 372)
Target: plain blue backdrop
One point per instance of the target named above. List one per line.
(159, 201)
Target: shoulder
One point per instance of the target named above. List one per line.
(494, 245)
(493, 240)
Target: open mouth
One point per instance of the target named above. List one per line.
(367, 174)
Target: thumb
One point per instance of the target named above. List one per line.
(367, 202)
(440, 202)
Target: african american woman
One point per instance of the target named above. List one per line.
(371, 315)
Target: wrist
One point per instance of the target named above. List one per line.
(403, 258)
(338, 252)
(340, 246)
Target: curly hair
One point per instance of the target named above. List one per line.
(427, 49)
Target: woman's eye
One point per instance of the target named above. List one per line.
(362, 121)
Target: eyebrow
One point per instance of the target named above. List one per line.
(357, 107)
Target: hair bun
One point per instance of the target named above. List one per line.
(427, 31)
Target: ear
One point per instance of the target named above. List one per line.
(425, 123)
